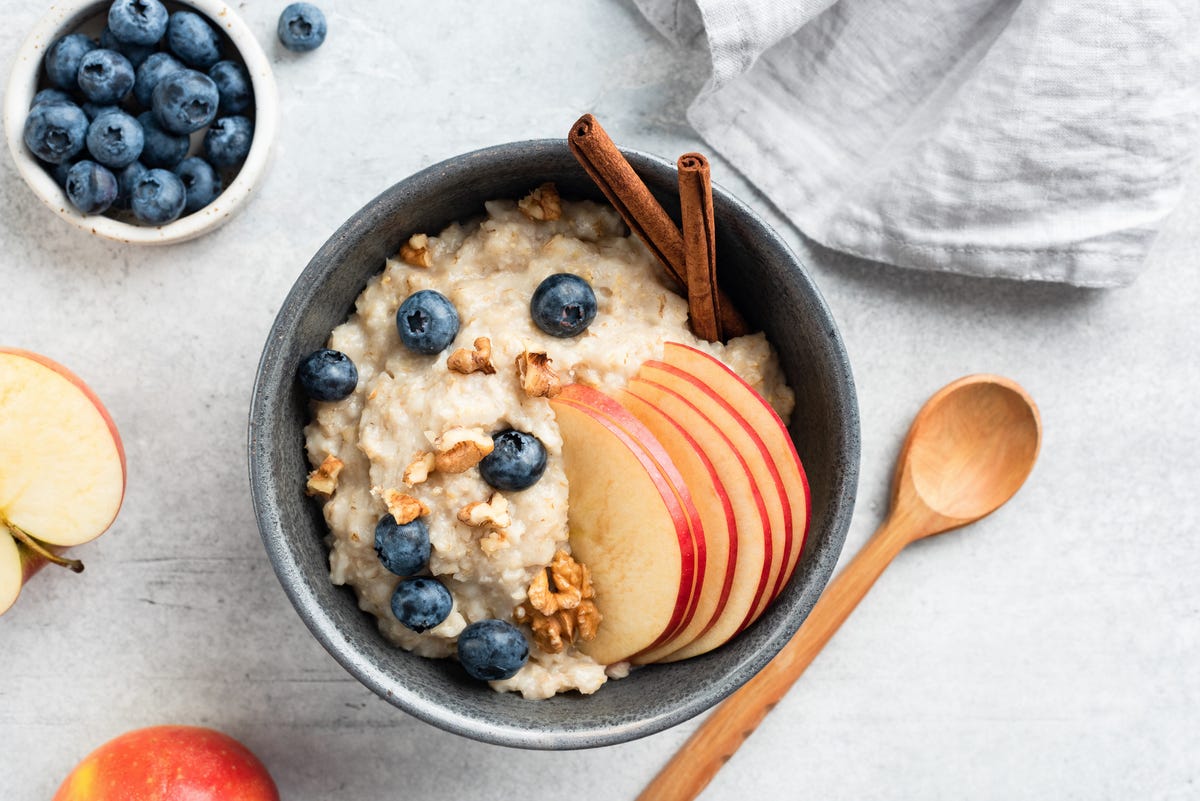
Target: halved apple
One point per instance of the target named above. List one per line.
(752, 568)
(755, 454)
(755, 409)
(632, 524)
(716, 509)
(62, 467)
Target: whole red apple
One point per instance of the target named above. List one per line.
(169, 763)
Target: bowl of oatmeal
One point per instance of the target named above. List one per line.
(322, 473)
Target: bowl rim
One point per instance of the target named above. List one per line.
(322, 624)
(65, 16)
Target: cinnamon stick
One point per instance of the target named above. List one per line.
(633, 200)
(699, 245)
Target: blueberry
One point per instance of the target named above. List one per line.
(105, 76)
(126, 180)
(427, 322)
(516, 462)
(115, 139)
(63, 57)
(301, 27)
(134, 52)
(151, 71)
(158, 197)
(162, 149)
(232, 85)
(137, 22)
(491, 650)
(185, 101)
(327, 375)
(201, 182)
(192, 40)
(227, 141)
(59, 172)
(421, 603)
(51, 96)
(94, 110)
(91, 188)
(55, 132)
(563, 305)
(402, 549)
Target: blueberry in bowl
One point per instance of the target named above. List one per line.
(88, 60)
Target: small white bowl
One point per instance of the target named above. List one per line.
(68, 15)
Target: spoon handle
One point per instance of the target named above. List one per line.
(719, 737)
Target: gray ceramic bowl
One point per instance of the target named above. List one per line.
(768, 283)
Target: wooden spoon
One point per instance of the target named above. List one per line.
(969, 450)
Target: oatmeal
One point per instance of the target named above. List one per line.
(416, 427)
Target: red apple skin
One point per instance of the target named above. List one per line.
(170, 763)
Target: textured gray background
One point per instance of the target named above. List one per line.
(1048, 652)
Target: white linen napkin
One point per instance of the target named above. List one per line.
(1029, 139)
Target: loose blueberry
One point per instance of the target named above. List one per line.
(90, 187)
(63, 57)
(491, 650)
(151, 71)
(192, 40)
(105, 76)
(516, 462)
(327, 375)
(134, 52)
(301, 27)
(94, 110)
(115, 139)
(185, 101)
(427, 322)
(421, 603)
(201, 182)
(126, 180)
(137, 22)
(55, 132)
(158, 197)
(227, 141)
(161, 149)
(51, 96)
(402, 549)
(563, 305)
(232, 85)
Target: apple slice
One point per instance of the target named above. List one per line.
(754, 408)
(712, 500)
(628, 526)
(755, 542)
(62, 466)
(755, 453)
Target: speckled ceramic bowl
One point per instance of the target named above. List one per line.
(768, 283)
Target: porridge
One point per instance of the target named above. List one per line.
(408, 440)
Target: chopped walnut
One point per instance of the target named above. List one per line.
(494, 541)
(324, 480)
(479, 360)
(419, 468)
(561, 606)
(405, 508)
(492, 512)
(459, 449)
(537, 377)
(415, 251)
(542, 203)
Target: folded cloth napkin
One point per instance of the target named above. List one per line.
(1030, 139)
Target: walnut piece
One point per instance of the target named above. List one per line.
(537, 377)
(405, 508)
(415, 251)
(459, 449)
(419, 468)
(561, 607)
(324, 480)
(480, 360)
(542, 203)
(492, 512)
(494, 542)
